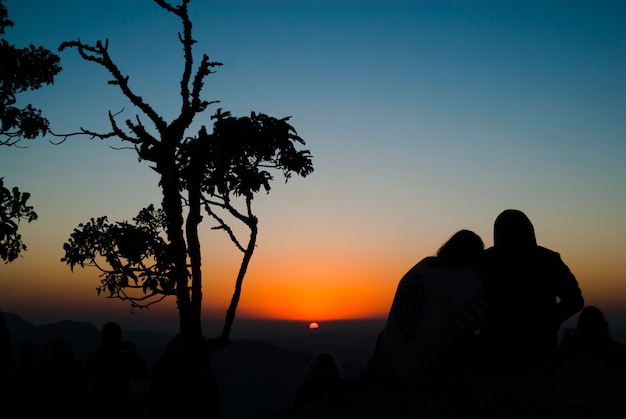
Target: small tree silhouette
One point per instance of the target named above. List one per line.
(158, 253)
(22, 69)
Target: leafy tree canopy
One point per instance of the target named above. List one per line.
(132, 257)
(13, 208)
(22, 69)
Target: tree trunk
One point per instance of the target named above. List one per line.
(190, 326)
(193, 241)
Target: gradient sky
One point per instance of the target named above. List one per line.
(423, 117)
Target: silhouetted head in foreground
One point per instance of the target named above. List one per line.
(592, 325)
(513, 231)
(111, 334)
(324, 365)
(323, 386)
(462, 249)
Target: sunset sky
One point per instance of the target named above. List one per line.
(423, 118)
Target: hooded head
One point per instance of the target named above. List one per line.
(513, 230)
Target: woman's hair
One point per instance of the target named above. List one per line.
(462, 249)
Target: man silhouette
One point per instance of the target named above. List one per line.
(530, 292)
(110, 370)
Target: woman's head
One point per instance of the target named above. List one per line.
(462, 249)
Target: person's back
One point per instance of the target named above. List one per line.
(530, 292)
(437, 304)
(110, 370)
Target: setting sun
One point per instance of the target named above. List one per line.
(314, 326)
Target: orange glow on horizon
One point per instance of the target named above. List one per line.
(325, 302)
(320, 285)
(305, 285)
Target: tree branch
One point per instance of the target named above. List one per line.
(222, 224)
(99, 54)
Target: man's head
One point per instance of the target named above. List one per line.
(513, 230)
(111, 334)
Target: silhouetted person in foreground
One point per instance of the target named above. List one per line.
(437, 305)
(591, 340)
(530, 292)
(47, 381)
(110, 370)
(25, 381)
(6, 358)
(65, 389)
(183, 384)
(323, 387)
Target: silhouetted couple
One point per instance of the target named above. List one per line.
(467, 306)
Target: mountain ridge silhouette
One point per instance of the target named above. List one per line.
(265, 373)
(258, 377)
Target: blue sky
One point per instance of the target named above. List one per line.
(423, 117)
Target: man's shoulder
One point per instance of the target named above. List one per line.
(546, 253)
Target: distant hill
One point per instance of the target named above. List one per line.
(84, 336)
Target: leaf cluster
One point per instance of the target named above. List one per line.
(240, 154)
(22, 69)
(132, 256)
(13, 208)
